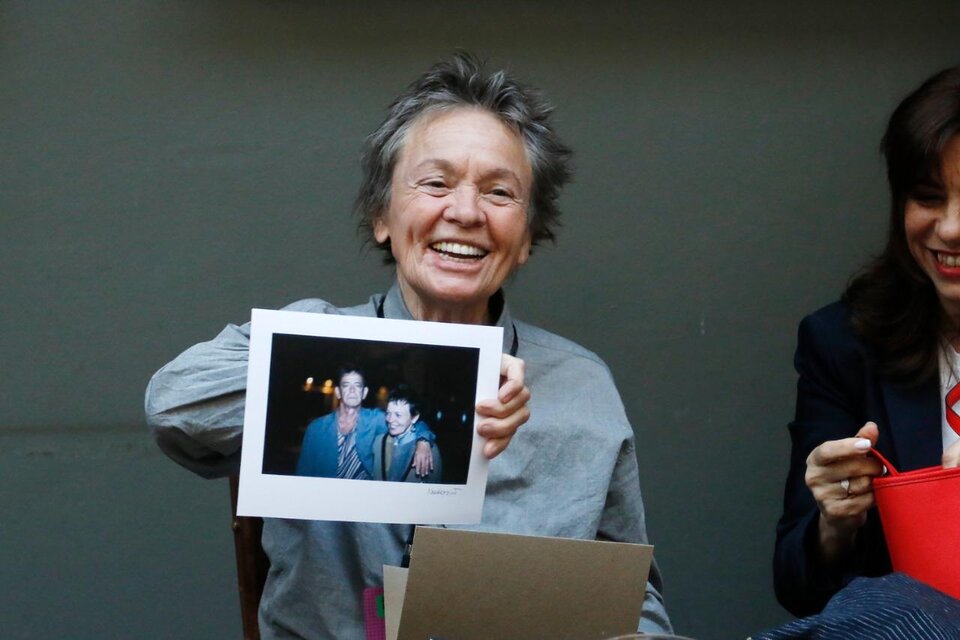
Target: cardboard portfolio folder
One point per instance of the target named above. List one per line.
(468, 585)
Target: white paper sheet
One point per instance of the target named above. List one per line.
(285, 344)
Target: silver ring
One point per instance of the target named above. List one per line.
(845, 485)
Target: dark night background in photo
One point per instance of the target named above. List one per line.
(445, 377)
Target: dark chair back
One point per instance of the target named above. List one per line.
(252, 564)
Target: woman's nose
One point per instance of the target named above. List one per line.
(949, 226)
(465, 209)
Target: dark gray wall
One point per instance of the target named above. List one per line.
(167, 165)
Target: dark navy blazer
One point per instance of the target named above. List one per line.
(837, 392)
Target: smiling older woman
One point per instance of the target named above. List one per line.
(460, 181)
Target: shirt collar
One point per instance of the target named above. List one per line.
(404, 437)
(395, 307)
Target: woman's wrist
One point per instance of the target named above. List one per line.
(836, 537)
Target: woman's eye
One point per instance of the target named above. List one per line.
(927, 197)
(434, 187)
(500, 196)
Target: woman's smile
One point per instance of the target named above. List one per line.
(459, 250)
(949, 262)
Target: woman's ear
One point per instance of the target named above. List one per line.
(381, 232)
(525, 249)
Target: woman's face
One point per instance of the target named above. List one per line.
(457, 219)
(399, 418)
(932, 226)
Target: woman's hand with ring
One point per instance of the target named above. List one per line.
(839, 475)
(845, 485)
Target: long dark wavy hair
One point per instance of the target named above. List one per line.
(894, 305)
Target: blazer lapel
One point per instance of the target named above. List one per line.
(915, 424)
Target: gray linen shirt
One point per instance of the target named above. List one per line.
(571, 472)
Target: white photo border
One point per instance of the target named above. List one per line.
(309, 498)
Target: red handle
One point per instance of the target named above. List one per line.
(890, 468)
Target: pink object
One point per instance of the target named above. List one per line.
(373, 623)
(920, 512)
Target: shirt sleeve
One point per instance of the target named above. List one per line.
(194, 405)
(829, 397)
(317, 458)
(623, 520)
(423, 431)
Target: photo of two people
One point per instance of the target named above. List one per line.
(369, 410)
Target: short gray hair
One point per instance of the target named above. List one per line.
(463, 81)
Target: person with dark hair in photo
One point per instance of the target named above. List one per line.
(340, 444)
(393, 451)
(880, 368)
(460, 182)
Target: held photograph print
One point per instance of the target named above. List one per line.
(365, 419)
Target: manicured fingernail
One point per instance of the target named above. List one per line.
(862, 444)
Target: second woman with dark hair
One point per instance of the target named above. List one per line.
(877, 368)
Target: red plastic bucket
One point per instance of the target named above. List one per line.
(920, 513)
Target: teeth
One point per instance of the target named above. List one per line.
(457, 249)
(948, 260)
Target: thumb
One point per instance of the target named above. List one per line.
(870, 432)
